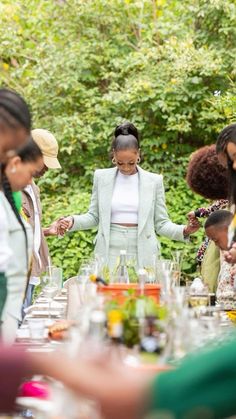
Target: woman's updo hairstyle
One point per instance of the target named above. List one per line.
(126, 137)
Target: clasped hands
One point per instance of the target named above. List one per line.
(193, 224)
(230, 255)
(59, 227)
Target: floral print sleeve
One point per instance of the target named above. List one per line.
(205, 212)
(225, 293)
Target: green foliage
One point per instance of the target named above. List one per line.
(85, 66)
(70, 250)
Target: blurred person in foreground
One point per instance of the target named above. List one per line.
(203, 386)
(15, 124)
(33, 210)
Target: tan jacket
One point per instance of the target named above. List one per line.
(28, 209)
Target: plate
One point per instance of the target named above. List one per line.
(40, 349)
(45, 313)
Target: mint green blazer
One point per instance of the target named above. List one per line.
(153, 218)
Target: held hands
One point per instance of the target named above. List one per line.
(193, 224)
(59, 227)
(64, 224)
(191, 216)
(230, 255)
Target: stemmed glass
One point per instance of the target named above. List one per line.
(177, 266)
(86, 288)
(164, 277)
(52, 284)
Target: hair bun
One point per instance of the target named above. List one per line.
(127, 128)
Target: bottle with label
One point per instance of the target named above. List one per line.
(115, 326)
(122, 274)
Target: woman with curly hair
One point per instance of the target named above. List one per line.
(208, 178)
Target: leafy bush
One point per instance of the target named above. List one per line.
(68, 251)
(167, 65)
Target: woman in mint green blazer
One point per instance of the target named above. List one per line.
(128, 206)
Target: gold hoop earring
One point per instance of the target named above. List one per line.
(113, 160)
(138, 160)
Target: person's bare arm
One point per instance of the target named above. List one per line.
(119, 390)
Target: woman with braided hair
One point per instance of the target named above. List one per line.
(15, 124)
(16, 174)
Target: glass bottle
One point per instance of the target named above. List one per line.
(122, 274)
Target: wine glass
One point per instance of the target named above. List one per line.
(50, 290)
(164, 277)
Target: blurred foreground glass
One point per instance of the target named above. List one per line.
(199, 298)
(36, 329)
(176, 274)
(178, 256)
(164, 277)
(54, 277)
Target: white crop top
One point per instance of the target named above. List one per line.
(125, 199)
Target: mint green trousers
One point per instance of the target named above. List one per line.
(122, 238)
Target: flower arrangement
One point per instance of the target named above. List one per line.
(133, 310)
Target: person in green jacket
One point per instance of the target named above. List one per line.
(202, 387)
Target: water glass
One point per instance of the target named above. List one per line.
(178, 257)
(56, 275)
(176, 274)
(36, 329)
(199, 298)
(164, 276)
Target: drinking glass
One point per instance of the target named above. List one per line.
(180, 297)
(199, 299)
(164, 277)
(50, 290)
(36, 328)
(178, 257)
(176, 274)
